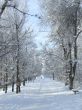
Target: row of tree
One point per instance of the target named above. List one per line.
(64, 18)
(19, 59)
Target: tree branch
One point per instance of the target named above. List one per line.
(25, 13)
(78, 34)
(3, 7)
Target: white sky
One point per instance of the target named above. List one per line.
(35, 22)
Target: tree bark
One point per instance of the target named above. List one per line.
(13, 83)
(18, 79)
(71, 76)
(6, 81)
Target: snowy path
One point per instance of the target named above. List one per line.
(41, 95)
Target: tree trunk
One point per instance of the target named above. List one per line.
(71, 75)
(18, 79)
(71, 80)
(24, 82)
(65, 52)
(17, 83)
(18, 87)
(6, 81)
(12, 86)
(75, 42)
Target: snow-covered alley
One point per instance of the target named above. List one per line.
(42, 94)
(40, 54)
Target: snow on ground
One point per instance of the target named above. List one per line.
(42, 94)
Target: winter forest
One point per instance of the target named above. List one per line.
(41, 54)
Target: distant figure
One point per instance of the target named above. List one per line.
(39, 78)
(42, 77)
